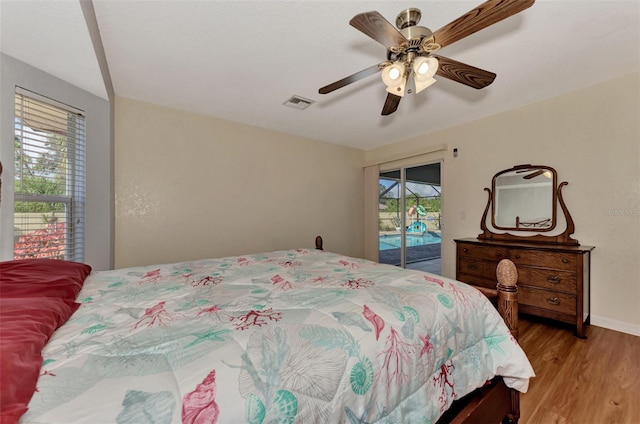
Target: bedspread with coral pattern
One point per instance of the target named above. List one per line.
(298, 336)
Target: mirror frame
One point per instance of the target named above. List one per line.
(523, 169)
(563, 238)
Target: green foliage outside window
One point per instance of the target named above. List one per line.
(431, 204)
(43, 173)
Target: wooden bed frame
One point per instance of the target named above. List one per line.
(495, 402)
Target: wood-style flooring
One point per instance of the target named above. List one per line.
(583, 381)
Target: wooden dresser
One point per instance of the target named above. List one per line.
(553, 280)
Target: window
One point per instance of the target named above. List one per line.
(49, 181)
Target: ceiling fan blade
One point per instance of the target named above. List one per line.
(377, 27)
(463, 73)
(350, 79)
(488, 13)
(391, 104)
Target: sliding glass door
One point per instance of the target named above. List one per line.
(409, 216)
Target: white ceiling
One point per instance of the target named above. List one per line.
(240, 60)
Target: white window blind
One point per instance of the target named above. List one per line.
(49, 181)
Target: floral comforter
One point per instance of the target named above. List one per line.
(299, 336)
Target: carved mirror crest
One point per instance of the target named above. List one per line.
(524, 199)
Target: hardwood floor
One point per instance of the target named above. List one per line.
(584, 381)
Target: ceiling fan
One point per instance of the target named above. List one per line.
(411, 49)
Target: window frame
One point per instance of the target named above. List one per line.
(74, 147)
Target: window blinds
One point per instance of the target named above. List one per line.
(49, 189)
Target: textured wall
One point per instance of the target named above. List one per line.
(190, 186)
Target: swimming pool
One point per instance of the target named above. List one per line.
(393, 241)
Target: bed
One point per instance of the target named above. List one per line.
(298, 336)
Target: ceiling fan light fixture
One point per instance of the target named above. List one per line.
(394, 78)
(424, 68)
(394, 73)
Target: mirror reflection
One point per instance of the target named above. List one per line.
(524, 199)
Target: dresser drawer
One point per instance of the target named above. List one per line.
(481, 252)
(557, 260)
(479, 267)
(546, 299)
(554, 279)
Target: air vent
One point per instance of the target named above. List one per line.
(298, 102)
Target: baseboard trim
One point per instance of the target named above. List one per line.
(612, 324)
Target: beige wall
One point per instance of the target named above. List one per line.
(592, 138)
(189, 186)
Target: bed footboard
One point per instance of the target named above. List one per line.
(494, 402)
(507, 274)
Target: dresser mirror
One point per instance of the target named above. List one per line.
(524, 199)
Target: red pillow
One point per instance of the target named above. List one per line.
(26, 324)
(36, 297)
(42, 278)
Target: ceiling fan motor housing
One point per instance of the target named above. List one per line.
(418, 37)
(408, 17)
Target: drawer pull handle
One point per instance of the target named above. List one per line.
(498, 254)
(565, 261)
(465, 250)
(554, 279)
(517, 256)
(553, 300)
(472, 266)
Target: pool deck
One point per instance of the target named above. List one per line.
(413, 254)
